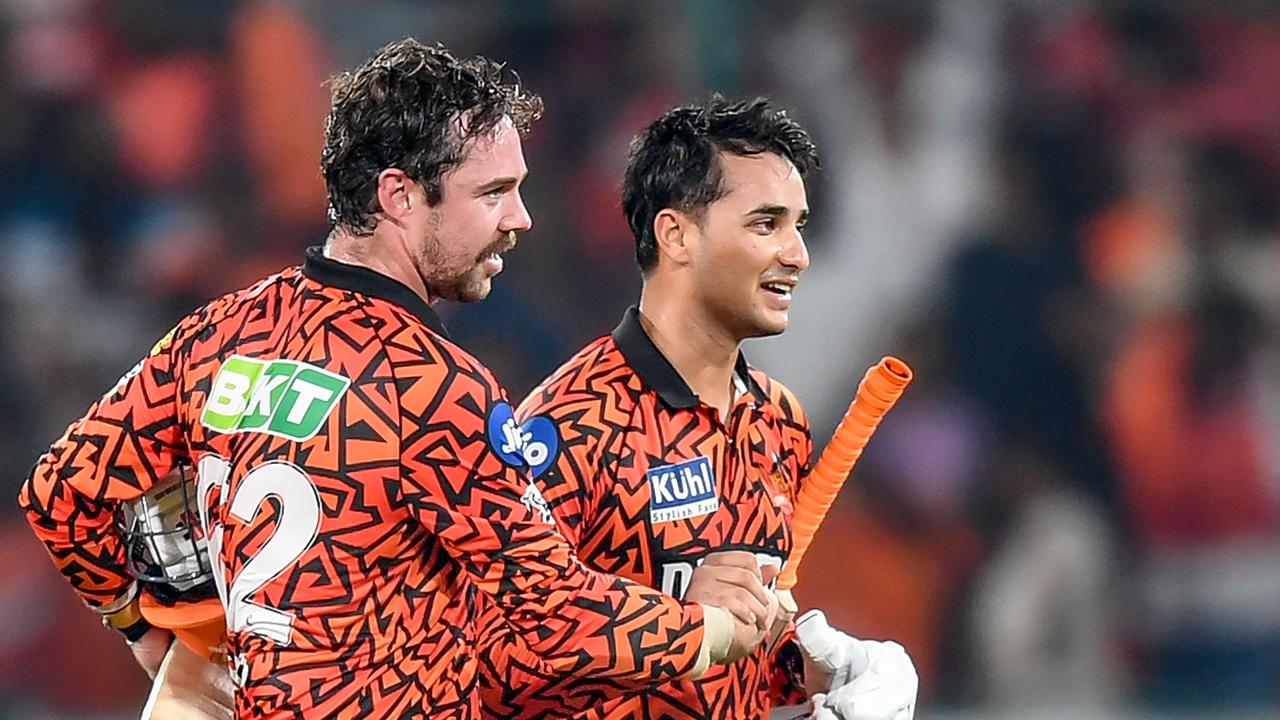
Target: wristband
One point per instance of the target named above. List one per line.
(128, 621)
(717, 638)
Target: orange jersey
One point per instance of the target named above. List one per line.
(361, 486)
(647, 481)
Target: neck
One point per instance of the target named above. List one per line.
(696, 345)
(383, 255)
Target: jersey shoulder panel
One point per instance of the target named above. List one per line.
(596, 377)
(585, 405)
(411, 343)
(782, 398)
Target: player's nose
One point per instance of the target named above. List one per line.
(517, 218)
(794, 253)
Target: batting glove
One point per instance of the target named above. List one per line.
(870, 680)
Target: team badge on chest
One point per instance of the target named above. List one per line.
(683, 490)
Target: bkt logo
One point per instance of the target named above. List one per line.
(683, 490)
(281, 397)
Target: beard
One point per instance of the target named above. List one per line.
(463, 281)
(471, 286)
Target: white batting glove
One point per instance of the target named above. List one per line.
(870, 680)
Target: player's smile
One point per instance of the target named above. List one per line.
(777, 291)
(491, 257)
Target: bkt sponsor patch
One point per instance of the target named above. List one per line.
(289, 398)
(681, 491)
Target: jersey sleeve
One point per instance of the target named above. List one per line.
(785, 674)
(127, 440)
(464, 460)
(569, 481)
(514, 680)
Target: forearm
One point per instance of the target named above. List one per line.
(115, 453)
(79, 534)
(575, 620)
(516, 681)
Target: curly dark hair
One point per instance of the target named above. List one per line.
(401, 109)
(673, 162)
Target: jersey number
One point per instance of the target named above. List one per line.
(299, 520)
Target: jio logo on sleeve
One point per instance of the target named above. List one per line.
(532, 443)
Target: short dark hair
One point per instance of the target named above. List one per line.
(401, 109)
(673, 161)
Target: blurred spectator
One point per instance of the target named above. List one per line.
(1046, 610)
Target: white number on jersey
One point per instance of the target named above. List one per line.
(296, 528)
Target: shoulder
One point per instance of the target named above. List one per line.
(782, 398)
(234, 310)
(432, 378)
(199, 342)
(592, 383)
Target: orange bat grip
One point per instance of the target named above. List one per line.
(879, 390)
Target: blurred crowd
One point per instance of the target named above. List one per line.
(1064, 216)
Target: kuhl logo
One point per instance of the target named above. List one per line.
(683, 490)
(288, 398)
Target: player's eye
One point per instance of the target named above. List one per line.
(765, 224)
(495, 192)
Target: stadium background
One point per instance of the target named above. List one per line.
(1064, 215)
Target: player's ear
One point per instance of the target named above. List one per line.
(396, 198)
(672, 231)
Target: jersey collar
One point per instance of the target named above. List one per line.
(657, 373)
(330, 272)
